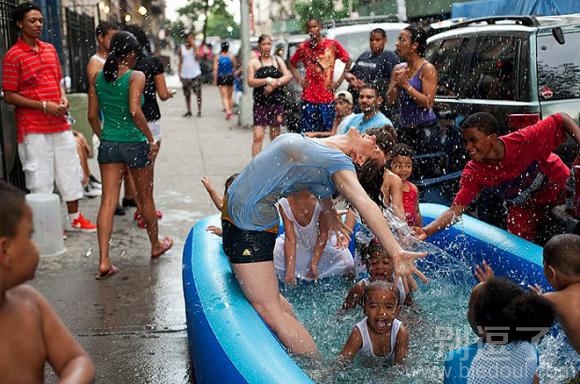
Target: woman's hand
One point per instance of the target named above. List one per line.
(401, 77)
(405, 268)
(290, 278)
(313, 272)
(153, 150)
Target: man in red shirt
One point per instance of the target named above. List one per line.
(31, 79)
(518, 167)
(318, 55)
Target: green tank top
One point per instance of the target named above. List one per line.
(118, 125)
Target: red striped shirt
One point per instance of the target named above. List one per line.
(35, 75)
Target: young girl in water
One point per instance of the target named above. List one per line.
(380, 268)
(306, 250)
(401, 164)
(380, 338)
(509, 322)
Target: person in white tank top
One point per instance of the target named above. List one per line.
(380, 338)
(189, 71)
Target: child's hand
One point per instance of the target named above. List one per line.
(536, 289)
(483, 272)
(290, 279)
(419, 233)
(215, 230)
(313, 272)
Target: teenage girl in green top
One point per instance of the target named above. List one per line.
(126, 140)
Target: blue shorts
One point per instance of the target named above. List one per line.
(317, 117)
(132, 154)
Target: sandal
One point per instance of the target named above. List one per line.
(167, 243)
(108, 273)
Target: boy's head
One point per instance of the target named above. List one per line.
(28, 19)
(314, 28)
(381, 305)
(343, 103)
(104, 33)
(378, 262)
(562, 260)
(377, 40)
(18, 253)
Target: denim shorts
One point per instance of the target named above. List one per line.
(132, 154)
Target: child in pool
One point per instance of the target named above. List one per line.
(216, 198)
(380, 268)
(401, 164)
(380, 338)
(31, 333)
(305, 250)
(507, 320)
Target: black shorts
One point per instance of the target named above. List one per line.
(225, 80)
(241, 246)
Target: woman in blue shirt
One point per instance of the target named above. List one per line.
(292, 163)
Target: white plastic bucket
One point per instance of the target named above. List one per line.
(47, 222)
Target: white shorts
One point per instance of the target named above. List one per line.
(155, 127)
(51, 157)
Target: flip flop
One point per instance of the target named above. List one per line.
(105, 275)
(167, 244)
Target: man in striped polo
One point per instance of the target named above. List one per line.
(31, 80)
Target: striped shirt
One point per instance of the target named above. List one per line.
(35, 75)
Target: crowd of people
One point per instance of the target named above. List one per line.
(349, 147)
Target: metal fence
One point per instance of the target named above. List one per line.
(81, 45)
(10, 167)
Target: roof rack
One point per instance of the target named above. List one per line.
(361, 20)
(528, 21)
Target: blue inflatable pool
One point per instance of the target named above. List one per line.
(228, 341)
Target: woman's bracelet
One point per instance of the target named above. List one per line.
(268, 80)
(44, 104)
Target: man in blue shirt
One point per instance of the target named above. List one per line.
(370, 101)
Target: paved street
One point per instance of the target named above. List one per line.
(133, 325)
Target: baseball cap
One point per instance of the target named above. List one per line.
(345, 95)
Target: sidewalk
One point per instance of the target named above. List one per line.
(133, 324)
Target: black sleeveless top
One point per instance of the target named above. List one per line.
(277, 96)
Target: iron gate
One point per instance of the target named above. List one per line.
(81, 45)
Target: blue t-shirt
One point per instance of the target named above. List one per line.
(379, 120)
(479, 363)
(289, 164)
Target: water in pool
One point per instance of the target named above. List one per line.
(436, 322)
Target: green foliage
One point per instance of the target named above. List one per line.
(218, 23)
(210, 20)
(320, 9)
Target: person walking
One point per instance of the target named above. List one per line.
(189, 70)
(31, 79)
(413, 84)
(126, 140)
(223, 76)
(267, 74)
(318, 55)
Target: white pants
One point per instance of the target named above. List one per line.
(51, 157)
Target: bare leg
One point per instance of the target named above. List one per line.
(274, 132)
(111, 175)
(225, 98)
(72, 206)
(83, 153)
(198, 96)
(130, 190)
(260, 286)
(144, 184)
(257, 139)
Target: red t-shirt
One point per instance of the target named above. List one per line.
(35, 75)
(318, 61)
(528, 173)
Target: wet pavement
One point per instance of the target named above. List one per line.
(133, 324)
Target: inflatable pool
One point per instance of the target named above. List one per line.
(228, 341)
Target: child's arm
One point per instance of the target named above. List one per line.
(351, 347)
(218, 200)
(417, 211)
(483, 272)
(402, 345)
(65, 354)
(354, 297)
(319, 246)
(289, 248)
(393, 188)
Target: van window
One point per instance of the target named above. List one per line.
(559, 67)
(447, 57)
(492, 69)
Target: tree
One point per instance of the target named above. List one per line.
(215, 19)
(323, 10)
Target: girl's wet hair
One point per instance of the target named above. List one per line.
(381, 285)
(122, 43)
(419, 36)
(370, 177)
(263, 37)
(403, 150)
(373, 246)
(229, 182)
(12, 202)
(225, 46)
(385, 136)
(141, 36)
(504, 304)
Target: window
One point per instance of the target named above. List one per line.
(558, 66)
(447, 58)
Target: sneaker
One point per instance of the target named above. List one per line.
(187, 114)
(91, 192)
(96, 184)
(199, 114)
(81, 224)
